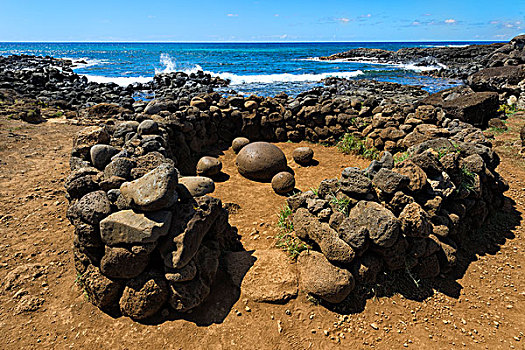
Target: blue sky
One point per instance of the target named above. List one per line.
(241, 20)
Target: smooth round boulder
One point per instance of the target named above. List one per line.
(283, 182)
(208, 166)
(260, 161)
(238, 143)
(303, 155)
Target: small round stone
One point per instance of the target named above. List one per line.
(303, 155)
(283, 182)
(208, 166)
(238, 143)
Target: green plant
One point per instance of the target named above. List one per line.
(468, 180)
(352, 144)
(400, 157)
(341, 204)
(57, 114)
(508, 110)
(497, 131)
(284, 223)
(286, 240)
(315, 190)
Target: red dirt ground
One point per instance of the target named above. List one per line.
(41, 307)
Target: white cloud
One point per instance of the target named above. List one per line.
(276, 15)
(416, 23)
(451, 21)
(368, 15)
(284, 36)
(343, 20)
(232, 15)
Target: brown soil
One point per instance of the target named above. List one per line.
(41, 307)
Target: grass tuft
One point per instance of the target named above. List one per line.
(350, 144)
(341, 204)
(286, 240)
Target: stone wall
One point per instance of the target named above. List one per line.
(141, 241)
(411, 215)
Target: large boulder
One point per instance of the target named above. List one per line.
(154, 191)
(128, 227)
(498, 79)
(317, 276)
(260, 161)
(466, 105)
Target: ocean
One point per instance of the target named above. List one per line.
(253, 68)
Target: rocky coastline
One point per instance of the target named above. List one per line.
(450, 62)
(433, 179)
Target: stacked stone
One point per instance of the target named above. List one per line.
(142, 241)
(412, 214)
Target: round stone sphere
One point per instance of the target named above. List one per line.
(283, 182)
(303, 155)
(238, 143)
(260, 161)
(208, 166)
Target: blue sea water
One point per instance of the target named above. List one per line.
(259, 68)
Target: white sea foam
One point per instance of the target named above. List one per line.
(283, 77)
(122, 81)
(374, 61)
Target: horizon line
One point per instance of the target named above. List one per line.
(235, 42)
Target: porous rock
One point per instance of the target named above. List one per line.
(122, 262)
(144, 296)
(382, 225)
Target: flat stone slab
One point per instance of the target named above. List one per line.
(128, 227)
(272, 278)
